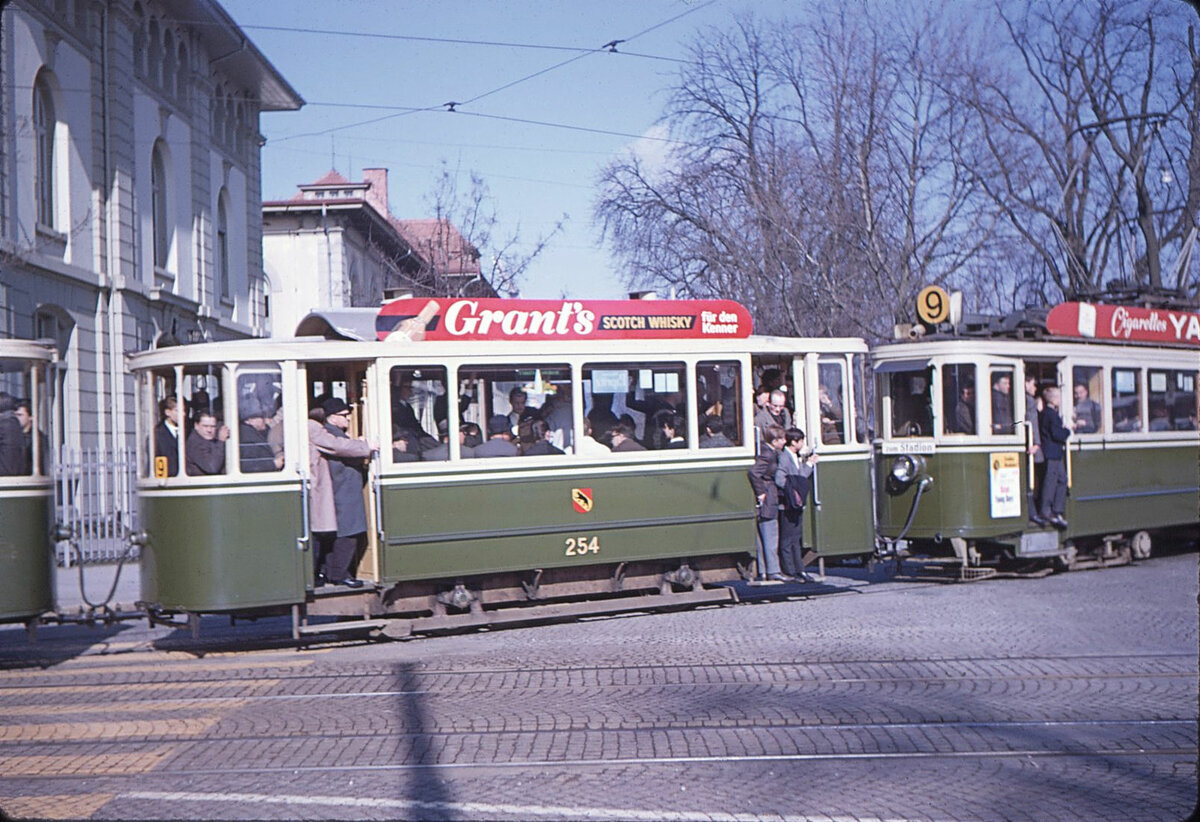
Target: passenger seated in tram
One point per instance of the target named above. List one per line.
(255, 454)
(404, 447)
(1002, 403)
(521, 411)
(205, 446)
(472, 438)
(12, 439)
(404, 416)
(714, 434)
(622, 438)
(588, 445)
(1126, 420)
(1086, 411)
(441, 451)
(673, 426)
(831, 417)
(499, 442)
(541, 440)
(964, 410)
(1160, 417)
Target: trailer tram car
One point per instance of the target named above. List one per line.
(956, 479)
(26, 487)
(456, 540)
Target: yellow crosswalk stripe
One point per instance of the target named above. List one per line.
(75, 731)
(54, 806)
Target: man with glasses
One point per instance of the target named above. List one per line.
(775, 413)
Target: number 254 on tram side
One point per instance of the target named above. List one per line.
(961, 475)
(533, 459)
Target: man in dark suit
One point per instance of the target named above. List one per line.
(541, 445)
(166, 434)
(793, 478)
(766, 496)
(1054, 439)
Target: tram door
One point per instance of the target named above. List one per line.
(351, 383)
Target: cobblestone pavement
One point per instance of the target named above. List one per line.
(1069, 697)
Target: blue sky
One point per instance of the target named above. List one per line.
(536, 173)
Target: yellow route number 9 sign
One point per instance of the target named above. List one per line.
(933, 305)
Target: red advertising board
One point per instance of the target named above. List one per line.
(1122, 322)
(497, 319)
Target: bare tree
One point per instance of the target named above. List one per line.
(465, 250)
(823, 173)
(1093, 139)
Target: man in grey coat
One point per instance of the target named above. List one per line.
(346, 479)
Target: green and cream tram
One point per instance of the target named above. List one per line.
(459, 539)
(957, 473)
(26, 487)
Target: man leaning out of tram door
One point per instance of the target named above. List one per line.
(1054, 439)
(793, 478)
(766, 504)
(338, 513)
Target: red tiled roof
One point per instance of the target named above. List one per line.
(440, 242)
(331, 178)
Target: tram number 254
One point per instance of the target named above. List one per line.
(581, 546)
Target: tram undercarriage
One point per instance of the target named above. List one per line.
(416, 607)
(1028, 555)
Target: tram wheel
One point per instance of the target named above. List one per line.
(1141, 545)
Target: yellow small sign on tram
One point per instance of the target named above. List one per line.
(933, 305)
(160, 467)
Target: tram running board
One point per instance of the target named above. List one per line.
(399, 628)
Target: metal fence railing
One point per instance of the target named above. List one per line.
(94, 497)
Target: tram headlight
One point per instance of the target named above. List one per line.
(906, 468)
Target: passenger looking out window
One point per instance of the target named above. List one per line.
(1002, 402)
(1126, 400)
(958, 399)
(1086, 413)
(206, 446)
(166, 434)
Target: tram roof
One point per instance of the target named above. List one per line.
(1039, 348)
(320, 348)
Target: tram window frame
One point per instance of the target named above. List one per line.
(213, 375)
(649, 378)
(1126, 394)
(834, 433)
(1181, 398)
(952, 378)
(860, 385)
(492, 385)
(431, 384)
(728, 403)
(255, 403)
(905, 397)
(16, 381)
(157, 385)
(996, 373)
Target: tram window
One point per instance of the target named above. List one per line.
(1126, 400)
(831, 393)
(862, 429)
(718, 404)
(162, 424)
(1179, 399)
(911, 402)
(16, 455)
(205, 444)
(260, 421)
(506, 400)
(1086, 392)
(629, 400)
(420, 409)
(959, 406)
(1001, 381)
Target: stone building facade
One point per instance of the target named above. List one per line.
(130, 192)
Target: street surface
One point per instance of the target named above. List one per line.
(1072, 697)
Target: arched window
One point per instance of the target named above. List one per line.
(223, 285)
(158, 206)
(44, 123)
